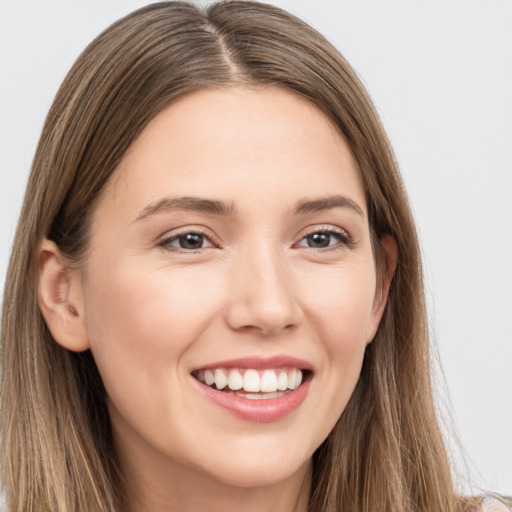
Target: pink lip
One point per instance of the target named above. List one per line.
(257, 411)
(260, 363)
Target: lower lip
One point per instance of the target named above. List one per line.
(257, 411)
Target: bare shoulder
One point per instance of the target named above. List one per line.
(491, 504)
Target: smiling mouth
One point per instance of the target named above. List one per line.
(251, 383)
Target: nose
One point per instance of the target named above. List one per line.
(263, 297)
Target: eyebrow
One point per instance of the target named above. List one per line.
(197, 204)
(326, 203)
(215, 207)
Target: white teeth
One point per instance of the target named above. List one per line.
(292, 379)
(235, 380)
(209, 378)
(252, 381)
(298, 378)
(269, 381)
(221, 380)
(282, 381)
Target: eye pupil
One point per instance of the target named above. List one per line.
(319, 240)
(191, 241)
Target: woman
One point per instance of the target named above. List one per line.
(215, 297)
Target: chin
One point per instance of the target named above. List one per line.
(258, 474)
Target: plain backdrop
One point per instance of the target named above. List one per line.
(440, 73)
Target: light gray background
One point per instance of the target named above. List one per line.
(440, 73)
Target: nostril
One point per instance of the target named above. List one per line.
(251, 318)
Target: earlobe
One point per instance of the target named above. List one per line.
(59, 298)
(386, 266)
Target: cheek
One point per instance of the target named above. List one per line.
(341, 302)
(341, 310)
(140, 321)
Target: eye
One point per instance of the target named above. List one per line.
(325, 238)
(187, 241)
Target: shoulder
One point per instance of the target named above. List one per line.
(491, 504)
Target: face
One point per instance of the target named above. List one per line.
(231, 250)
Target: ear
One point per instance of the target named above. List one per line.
(387, 259)
(60, 298)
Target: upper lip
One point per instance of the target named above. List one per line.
(259, 363)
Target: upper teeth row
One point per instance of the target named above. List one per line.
(251, 380)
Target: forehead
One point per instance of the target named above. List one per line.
(237, 144)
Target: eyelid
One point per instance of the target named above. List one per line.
(346, 238)
(172, 235)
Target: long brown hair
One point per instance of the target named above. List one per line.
(386, 452)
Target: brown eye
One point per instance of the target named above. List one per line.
(190, 241)
(325, 239)
(319, 240)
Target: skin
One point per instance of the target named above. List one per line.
(152, 311)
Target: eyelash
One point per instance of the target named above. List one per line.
(166, 242)
(344, 240)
